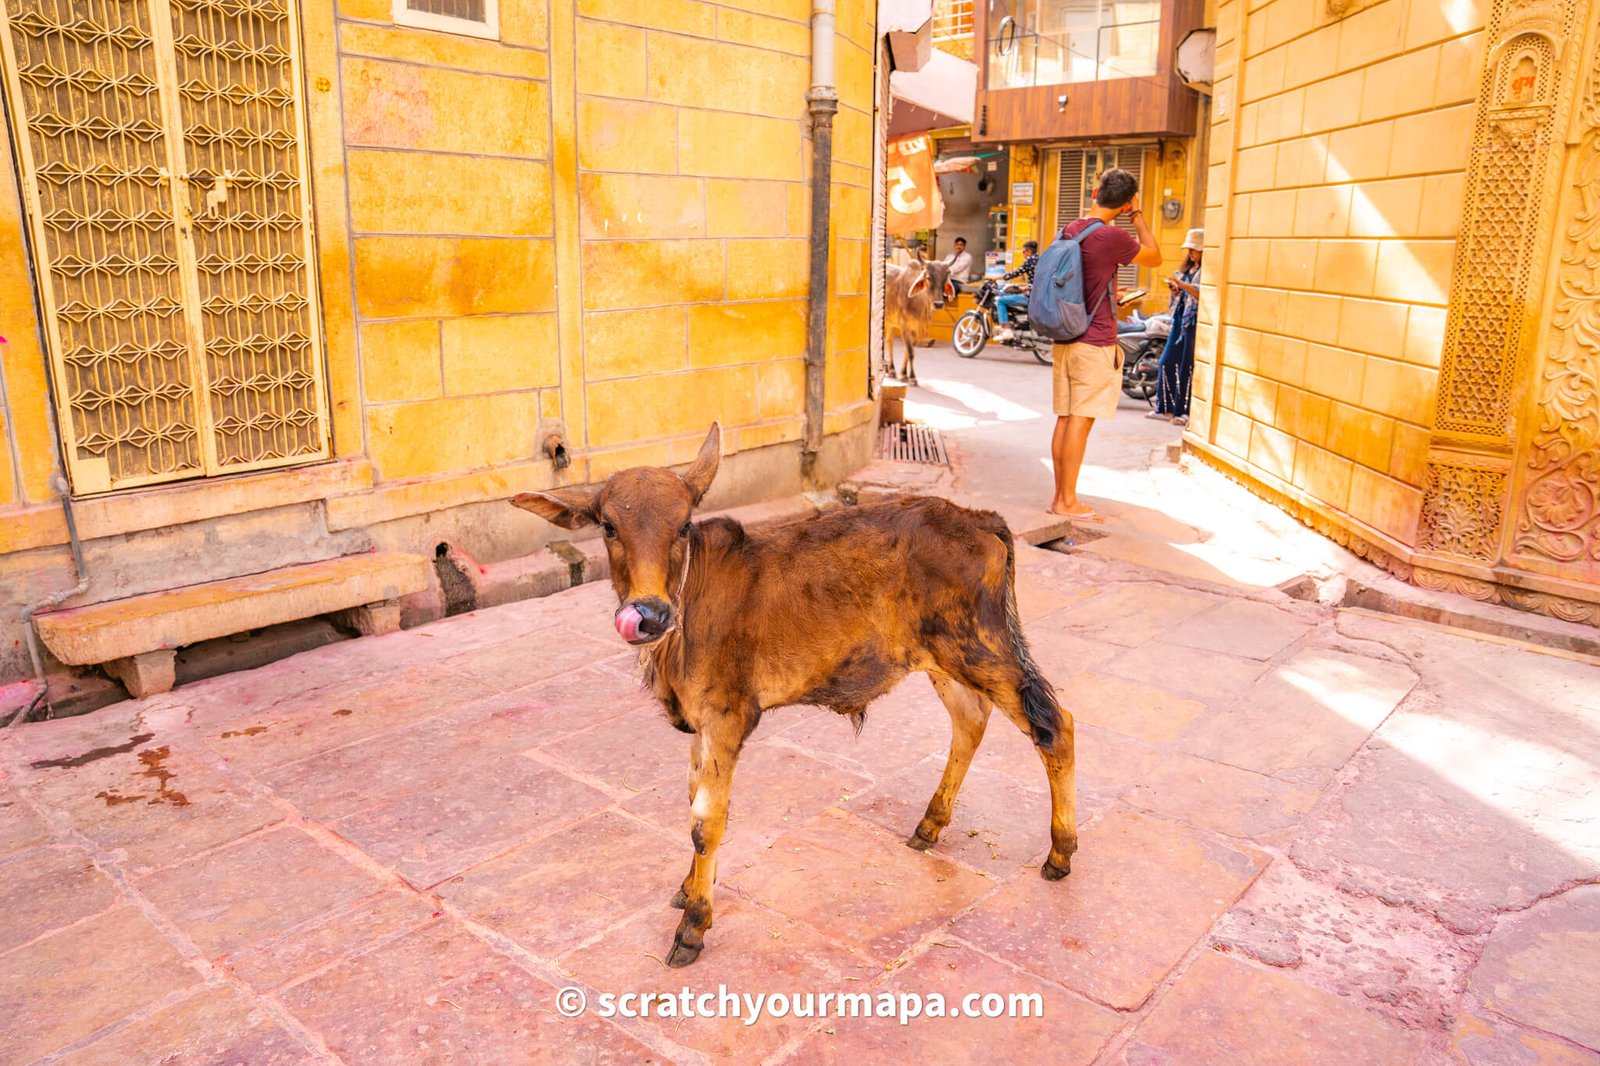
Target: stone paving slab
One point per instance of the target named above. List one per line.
(1303, 839)
(215, 1024)
(1224, 1012)
(1541, 966)
(1093, 941)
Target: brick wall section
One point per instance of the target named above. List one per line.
(1343, 144)
(442, 237)
(692, 211)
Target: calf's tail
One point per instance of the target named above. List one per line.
(1038, 696)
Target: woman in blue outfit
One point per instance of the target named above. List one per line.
(1177, 359)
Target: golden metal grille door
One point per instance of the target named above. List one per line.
(162, 146)
(84, 75)
(237, 72)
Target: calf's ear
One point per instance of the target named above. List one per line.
(699, 475)
(918, 285)
(567, 508)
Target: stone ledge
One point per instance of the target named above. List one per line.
(1372, 589)
(121, 629)
(41, 525)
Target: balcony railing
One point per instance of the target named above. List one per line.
(953, 21)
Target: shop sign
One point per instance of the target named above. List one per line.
(914, 200)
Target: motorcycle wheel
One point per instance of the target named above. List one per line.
(969, 335)
(1042, 351)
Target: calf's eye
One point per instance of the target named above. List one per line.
(684, 532)
(611, 530)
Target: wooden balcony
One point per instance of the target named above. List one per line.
(1159, 105)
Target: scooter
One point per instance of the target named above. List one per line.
(1141, 355)
(974, 329)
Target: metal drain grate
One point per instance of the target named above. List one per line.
(907, 442)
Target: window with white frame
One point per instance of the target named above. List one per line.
(474, 18)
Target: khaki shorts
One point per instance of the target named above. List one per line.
(1088, 379)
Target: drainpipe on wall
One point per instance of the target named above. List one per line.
(59, 484)
(822, 100)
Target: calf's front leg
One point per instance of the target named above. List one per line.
(708, 819)
(695, 749)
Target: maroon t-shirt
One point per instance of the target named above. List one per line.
(1104, 250)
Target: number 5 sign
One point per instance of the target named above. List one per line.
(914, 200)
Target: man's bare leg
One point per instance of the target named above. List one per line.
(1067, 447)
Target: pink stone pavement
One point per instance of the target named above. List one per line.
(1308, 836)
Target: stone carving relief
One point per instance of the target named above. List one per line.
(1461, 508)
(1511, 148)
(1559, 517)
(1520, 111)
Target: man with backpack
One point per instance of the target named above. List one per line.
(1088, 370)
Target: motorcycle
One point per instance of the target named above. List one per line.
(1142, 346)
(974, 329)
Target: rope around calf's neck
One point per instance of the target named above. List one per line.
(683, 579)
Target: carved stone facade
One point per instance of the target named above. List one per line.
(1511, 183)
(1559, 518)
(1513, 485)
(1421, 386)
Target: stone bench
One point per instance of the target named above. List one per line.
(136, 639)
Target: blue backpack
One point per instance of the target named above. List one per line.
(1055, 308)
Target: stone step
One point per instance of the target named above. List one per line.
(135, 638)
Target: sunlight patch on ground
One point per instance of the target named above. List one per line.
(941, 417)
(1543, 788)
(982, 400)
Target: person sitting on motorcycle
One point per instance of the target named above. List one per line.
(1003, 305)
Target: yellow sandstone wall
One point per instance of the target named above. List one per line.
(29, 445)
(598, 221)
(1338, 147)
(693, 195)
(663, 181)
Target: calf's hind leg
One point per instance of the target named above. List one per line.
(1061, 767)
(969, 715)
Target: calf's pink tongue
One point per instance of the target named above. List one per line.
(628, 620)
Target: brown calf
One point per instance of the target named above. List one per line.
(834, 611)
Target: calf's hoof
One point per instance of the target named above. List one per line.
(679, 899)
(918, 843)
(1051, 872)
(683, 954)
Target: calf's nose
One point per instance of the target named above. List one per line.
(654, 618)
(643, 621)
